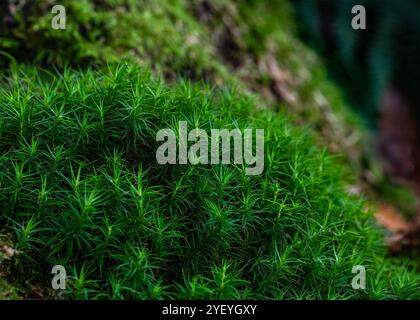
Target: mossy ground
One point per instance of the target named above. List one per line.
(80, 187)
(73, 144)
(252, 45)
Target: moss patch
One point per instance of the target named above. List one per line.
(83, 144)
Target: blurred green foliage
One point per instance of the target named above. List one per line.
(155, 33)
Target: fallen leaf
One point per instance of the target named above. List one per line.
(391, 219)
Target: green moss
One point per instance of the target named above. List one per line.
(80, 186)
(8, 292)
(160, 34)
(220, 42)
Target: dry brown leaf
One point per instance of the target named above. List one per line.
(391, 219)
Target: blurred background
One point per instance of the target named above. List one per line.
(379, 71)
